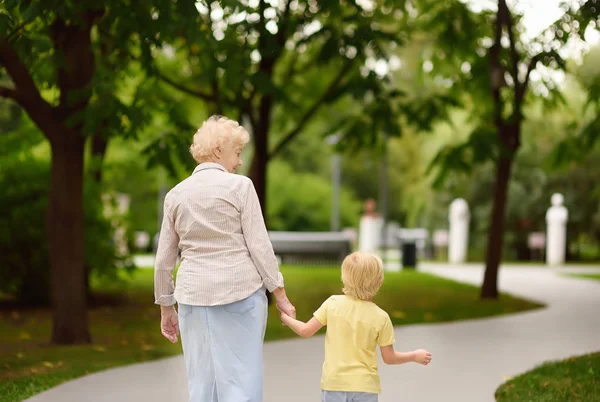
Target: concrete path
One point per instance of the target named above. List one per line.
(470, 358)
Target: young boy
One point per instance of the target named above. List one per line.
(355, 325)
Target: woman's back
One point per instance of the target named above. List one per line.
(207, 211)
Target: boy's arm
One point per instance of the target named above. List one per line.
(305, 330)
(390, 356)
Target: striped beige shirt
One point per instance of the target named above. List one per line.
(214, 218)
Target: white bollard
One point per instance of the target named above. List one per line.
(369, 232)
(459, 231)
(556, 239)
(369, 236)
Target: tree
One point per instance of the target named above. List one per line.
(496, 66)
(55, 53)
(276, 65)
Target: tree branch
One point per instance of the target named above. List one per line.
(496, 70)
(313, 109)
(514, 56)
(282, 33)
(16, 30)
(26, 92)
(520, 93)
(189, 91)
(8, 93)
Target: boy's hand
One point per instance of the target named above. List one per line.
(422, 357)
(282, 315)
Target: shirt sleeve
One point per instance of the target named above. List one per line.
(258, 242)
(321, 313)
(166, 258)
(386, 333)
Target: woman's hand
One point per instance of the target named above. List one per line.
(283, 303)
(169, 323)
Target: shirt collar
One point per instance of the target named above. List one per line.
(209, 165)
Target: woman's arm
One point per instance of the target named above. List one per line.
(166, 258)
(258, 242)
(390, 356)
(305, 330)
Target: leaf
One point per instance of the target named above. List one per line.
(32, 11)
(6, 23)
(265, 85)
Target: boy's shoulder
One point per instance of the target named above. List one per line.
(336, 298)
(373, 308)
(379, 311)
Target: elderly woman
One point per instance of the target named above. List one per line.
(214, 218)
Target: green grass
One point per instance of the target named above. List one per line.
(586, 276)
(128, 332)
(576, 379)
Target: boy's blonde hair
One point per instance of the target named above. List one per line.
(362, 275)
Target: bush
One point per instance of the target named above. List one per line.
(302, 201)
(25, 272)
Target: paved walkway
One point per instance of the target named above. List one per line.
(470, 358)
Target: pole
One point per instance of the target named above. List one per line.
(336, 178)
(336, 169)
(383, 196)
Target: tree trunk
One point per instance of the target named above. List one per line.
(258, 168)
(258, 174)
(98, 151)
(489, 290)
(64, 226)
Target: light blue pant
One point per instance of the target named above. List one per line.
(223, 349)
(340, 396)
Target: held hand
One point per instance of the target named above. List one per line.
(169, 323)
(283, 303)
(422, 357)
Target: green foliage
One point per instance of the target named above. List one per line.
(123, 36)
(461, 49)
(278, 68)
(302, 201)
(126, 172)
(25, 267)
(583, 132)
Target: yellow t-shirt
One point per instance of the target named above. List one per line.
(354, 329)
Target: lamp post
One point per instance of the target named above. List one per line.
(383, 195)
(336, 178)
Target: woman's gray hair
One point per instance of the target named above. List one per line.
(217, 131)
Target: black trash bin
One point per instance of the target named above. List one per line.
(409, 254)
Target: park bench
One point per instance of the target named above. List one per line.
(320, 248)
